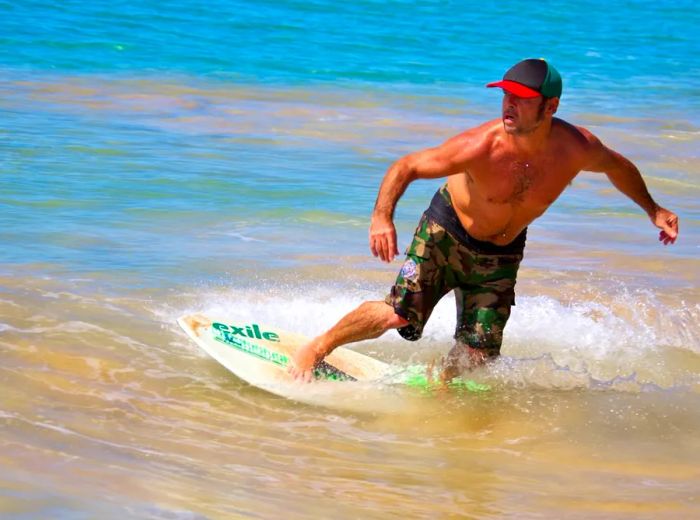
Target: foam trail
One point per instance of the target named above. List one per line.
(595, 343)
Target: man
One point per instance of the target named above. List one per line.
(501, 176)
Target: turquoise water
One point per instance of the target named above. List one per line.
(158, 159)
(124, 121)
(633, 49)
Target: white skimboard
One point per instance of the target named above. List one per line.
(259, 354)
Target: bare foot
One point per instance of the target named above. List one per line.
(303, 362)
(459, 360)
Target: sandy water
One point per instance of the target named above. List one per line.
(109, 411)
(129, 202)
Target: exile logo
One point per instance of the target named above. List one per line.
(247, 331)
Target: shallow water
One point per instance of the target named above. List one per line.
(225, 159)
(108, 410)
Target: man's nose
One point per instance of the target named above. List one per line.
(510, 99)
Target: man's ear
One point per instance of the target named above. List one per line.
(552, 106)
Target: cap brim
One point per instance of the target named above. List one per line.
(515, 88)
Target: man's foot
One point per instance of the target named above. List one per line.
(304, 360)
(461, 359)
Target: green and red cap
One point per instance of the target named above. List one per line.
(531, 78)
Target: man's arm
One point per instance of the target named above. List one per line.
(451, 157)
(625, 176)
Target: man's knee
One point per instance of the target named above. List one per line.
(396, 322)
(386, 314)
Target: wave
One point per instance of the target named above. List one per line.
(624, 341)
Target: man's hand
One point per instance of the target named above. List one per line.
(667, 221)
(303, 363)
(382, 238)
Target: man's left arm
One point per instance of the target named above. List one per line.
(625, 176)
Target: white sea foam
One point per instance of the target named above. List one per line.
(621, 341)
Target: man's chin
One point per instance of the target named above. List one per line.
(509, 126)
(513, 129)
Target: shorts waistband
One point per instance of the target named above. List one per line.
(442, 212)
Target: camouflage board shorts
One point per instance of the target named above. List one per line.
(444, 258)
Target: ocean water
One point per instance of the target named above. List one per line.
(162, 158)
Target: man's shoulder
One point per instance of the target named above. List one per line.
(468, 146)
(488, 130)
(573, 134)
(481, 137)
(579, 143)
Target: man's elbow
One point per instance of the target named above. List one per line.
(408, 168)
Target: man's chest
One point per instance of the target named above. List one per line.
(520, 181)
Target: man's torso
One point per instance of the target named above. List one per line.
(504, 189)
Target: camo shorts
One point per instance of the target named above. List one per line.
(439, 261)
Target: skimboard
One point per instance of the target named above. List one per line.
(259, 355)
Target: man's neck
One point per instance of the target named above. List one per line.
(533, 142)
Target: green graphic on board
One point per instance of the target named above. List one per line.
(233, 336)
(417, 377)
(232, 339)
(247, 331)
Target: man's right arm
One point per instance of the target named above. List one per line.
(450, 158)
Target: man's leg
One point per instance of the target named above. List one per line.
(370, 320)
(417, 289)
(481, 317)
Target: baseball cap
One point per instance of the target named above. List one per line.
(531, 78)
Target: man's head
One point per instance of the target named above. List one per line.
(532, 89)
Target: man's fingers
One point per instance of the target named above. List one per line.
(667, 221)
(391, 248)
(382, 238)
(383, 250)
(384, 246)
(378, 247)
(666, 238)
(671, 229)
(673, 224)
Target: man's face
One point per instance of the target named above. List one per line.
(522, 116)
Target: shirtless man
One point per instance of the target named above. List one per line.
(501, 176)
